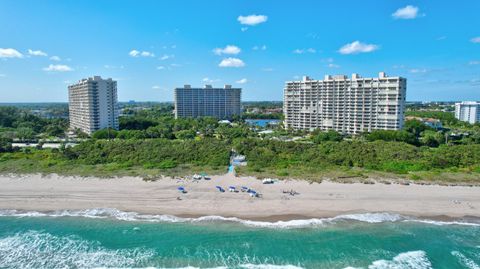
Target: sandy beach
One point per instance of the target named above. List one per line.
(327, 199)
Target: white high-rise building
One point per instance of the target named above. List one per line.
(221, 103)
(93, 104)
(468, 111)
(347, 105)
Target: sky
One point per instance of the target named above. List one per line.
(151, 47)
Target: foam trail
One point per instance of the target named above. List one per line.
(43, 250)
(406, 260)
(441, 223)
(305, 223)
(469, 263)
(268, 266)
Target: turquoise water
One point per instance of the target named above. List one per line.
(111, 238)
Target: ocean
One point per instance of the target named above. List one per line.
(112, 238)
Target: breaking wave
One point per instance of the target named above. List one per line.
(35, 249)
(405, 260)
(305, 223)
(469, 263)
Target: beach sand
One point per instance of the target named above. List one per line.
(315, 200)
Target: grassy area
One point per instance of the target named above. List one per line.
(40, 162)
(351, 175)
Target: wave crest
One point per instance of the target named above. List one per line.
(35, 249)
(406, 260)
(301, 223)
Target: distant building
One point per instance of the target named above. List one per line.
(347, 105)
(468, 111)
(93, 104)
(430, 122)
(221, 103)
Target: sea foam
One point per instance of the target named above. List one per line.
(469, 263)
(290, 224)
(405, 260)
(35, 249)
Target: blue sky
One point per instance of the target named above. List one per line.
(150, 47)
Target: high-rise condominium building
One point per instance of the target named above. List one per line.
(221, 103)
(347, 105)
(93, 104)
(468, 111)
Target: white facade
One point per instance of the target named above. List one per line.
(93, 104)
(468, 111)
(347, 105)
(221, 103)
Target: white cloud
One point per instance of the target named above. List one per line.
(147, 54)
(242, 81)
(208, 80)
(175, 65)
(418, 70)
(407, 13)
(252, 19)
(302, 51)
(161, 67)
(244, 29)
(10, 53)
(332, 65)
(58, 68)
(474, 63)
(36, 53)
(263, 47)
(357, 47)
(166, 57)
(55, 58)
(475, 39)
(231, 62)
(136, 53)
(267, 69)
(229, 49)
(156, 87)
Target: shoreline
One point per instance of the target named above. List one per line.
(315, 200)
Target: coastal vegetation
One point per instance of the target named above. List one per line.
(151, 142)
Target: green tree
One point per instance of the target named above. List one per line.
(185, 134)
(5, 144)
(330, 135)
(107, 133)
(25, 133)
(391, 135)
(415, 127)
(431, 138)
